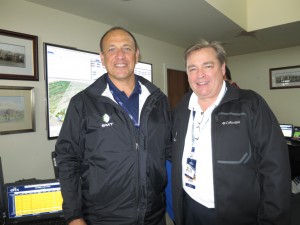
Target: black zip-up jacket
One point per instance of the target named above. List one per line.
(252, 183)
(112, 173)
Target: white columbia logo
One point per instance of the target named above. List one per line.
(231, 122)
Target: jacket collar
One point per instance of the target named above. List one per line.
(99, 86)
(232, 93)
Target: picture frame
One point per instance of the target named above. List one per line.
(285, 77)
(16, 110)
(18, 56)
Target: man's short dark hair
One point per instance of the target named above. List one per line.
(117, 28)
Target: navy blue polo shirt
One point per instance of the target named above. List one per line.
(129, 104)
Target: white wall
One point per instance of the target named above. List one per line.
(252, 72)
(27, 155)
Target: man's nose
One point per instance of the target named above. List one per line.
(120, 53)
(200, 72)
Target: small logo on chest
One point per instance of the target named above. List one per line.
(106, 118)
(231, 122)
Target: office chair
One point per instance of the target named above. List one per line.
(55, 167)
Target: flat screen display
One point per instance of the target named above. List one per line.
(287, 130)
(296, 134)
(33, 200)
(67, 72)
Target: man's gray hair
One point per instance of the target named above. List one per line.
(217, 46)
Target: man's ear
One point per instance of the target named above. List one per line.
(224, 70)
(137, 55)
(101, 57)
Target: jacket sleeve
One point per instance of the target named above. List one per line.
(68, 159)
(273, 166)
(169, 144)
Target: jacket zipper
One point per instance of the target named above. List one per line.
(137, 147)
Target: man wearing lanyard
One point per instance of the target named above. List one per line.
(229, 157)
(111, 150)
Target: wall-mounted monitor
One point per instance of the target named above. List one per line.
(68, 71)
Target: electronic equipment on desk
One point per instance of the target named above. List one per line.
(295, 139)
(291, 134)
(33, 201)
(296, 134)
(293, 142)
(287, 130)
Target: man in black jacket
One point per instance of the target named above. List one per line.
(230, 160)
(111, 150)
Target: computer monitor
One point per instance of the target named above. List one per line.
(287, 130)
(69, 71)
(32, 200)
(296, 134)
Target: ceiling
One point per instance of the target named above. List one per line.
(180, 22)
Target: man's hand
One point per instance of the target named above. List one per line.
(77, 222)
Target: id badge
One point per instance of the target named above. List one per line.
(190, 171)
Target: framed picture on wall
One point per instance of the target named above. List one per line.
(16, 110)
(18, 56)
(285, 77)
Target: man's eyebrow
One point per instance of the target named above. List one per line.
(209, 62)
(190, 66)
(111, 45)
(129, 45)
(125, 45)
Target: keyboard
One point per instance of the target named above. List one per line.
(293, 142)
(48, 222)
(56, 221)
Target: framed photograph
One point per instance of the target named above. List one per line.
(68, 71)
(16, 110)
(18, 56)
(285, 77)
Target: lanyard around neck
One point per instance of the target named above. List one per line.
(193, 131)
(136, 123)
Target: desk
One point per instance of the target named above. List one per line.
(294, 153)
